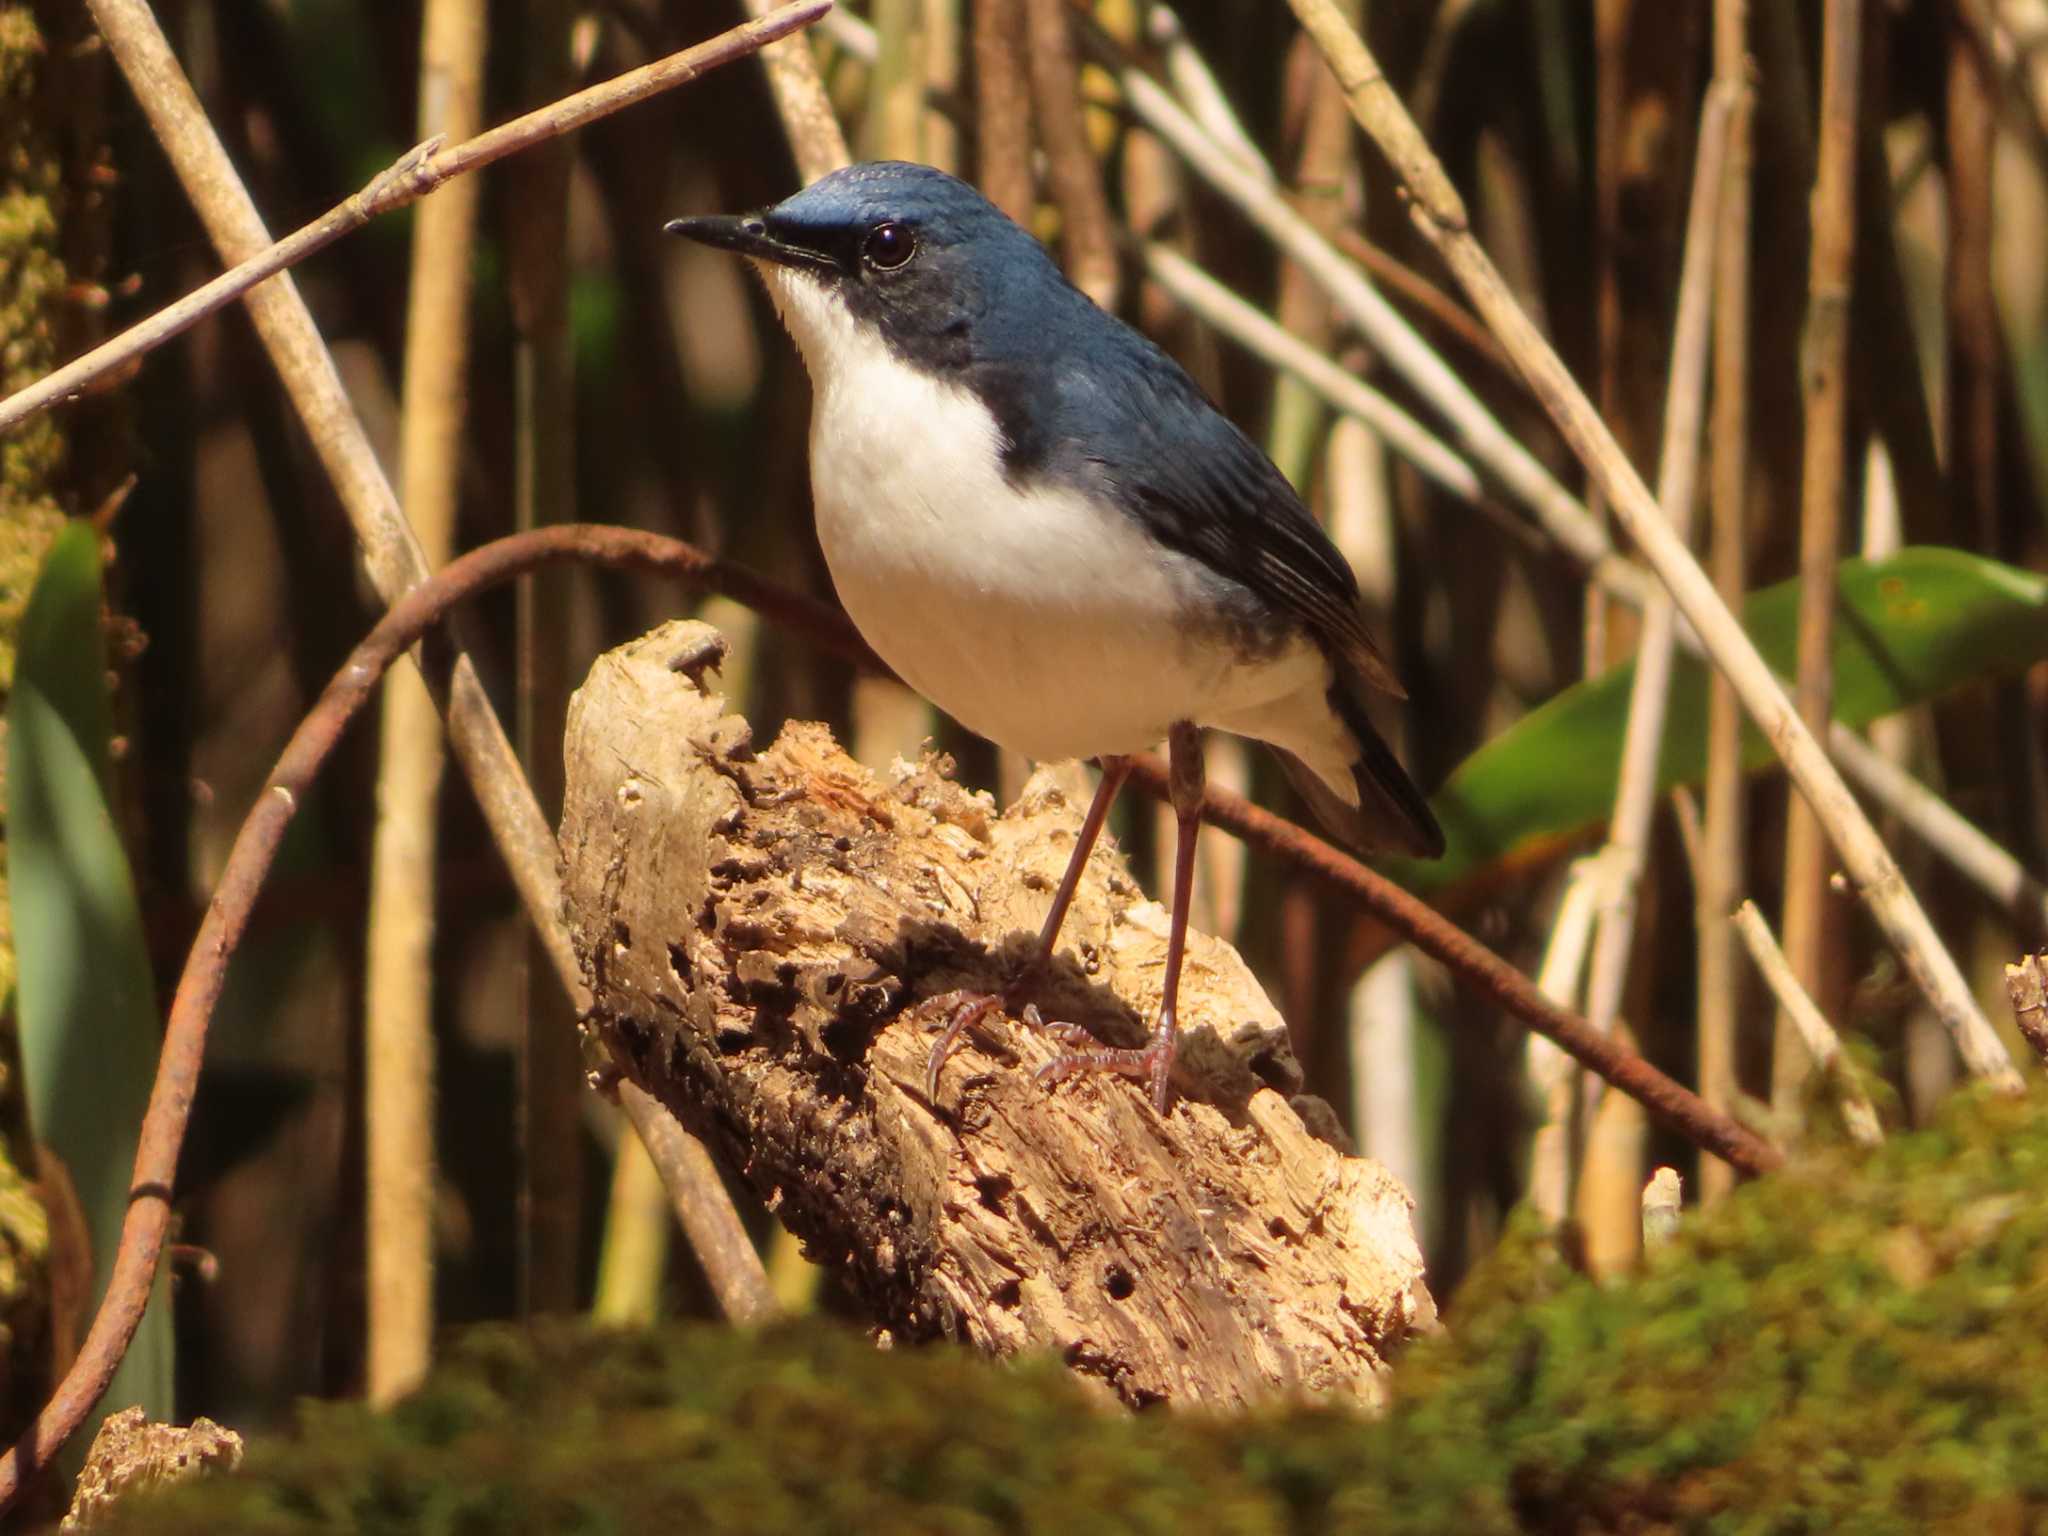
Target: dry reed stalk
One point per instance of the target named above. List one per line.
(398, 989)
(1718, 882)
(1824, 368)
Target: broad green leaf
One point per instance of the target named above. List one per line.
(1907, 629)
(87, 1004)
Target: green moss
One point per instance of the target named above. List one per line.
(1852, 1345)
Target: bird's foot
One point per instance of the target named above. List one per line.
(963, 1009)
(1149, 1063)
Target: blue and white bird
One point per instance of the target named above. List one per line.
(1038, 519)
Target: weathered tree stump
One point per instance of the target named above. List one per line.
(759, 930)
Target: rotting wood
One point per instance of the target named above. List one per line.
(759, 929)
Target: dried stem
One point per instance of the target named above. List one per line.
(1663, 1201)
(549, 1089)
(1822, 1045)
(1973, 854)
(398, 1015)
(1613, 873)
(1440, 214)
(1678, 478)
(815, 137)
(1824, 360)
(1070, 160)
(634, 1258)
(2009, 40)
(180, 122)
(1719, 870)
(731, 1262)
(1003, 108)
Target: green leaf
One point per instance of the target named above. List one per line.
(1907, 629)
(87, 1003)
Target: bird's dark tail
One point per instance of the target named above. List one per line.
(1391, 816)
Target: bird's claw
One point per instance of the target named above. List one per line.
(1148, 1063)
(1151, 1063)
(966, 1009)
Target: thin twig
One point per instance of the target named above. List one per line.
(398, 988)
(1398, 278)
(412, 176)
(731, 1263)
(1071, 167)
(1719, 869)
(1823, 1046)
(815, 137)
(1478, 968)
(1440, 214)
(1678, 479)
(1972, 853)
(1824, 367)
(249, 860)
(1003, 108)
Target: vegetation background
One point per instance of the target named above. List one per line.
(562, 360)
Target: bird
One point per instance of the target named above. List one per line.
(1038, 519)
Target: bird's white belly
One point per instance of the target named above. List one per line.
(1039, 619)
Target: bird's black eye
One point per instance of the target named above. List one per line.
(888, 246)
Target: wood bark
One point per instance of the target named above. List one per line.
(762, 932)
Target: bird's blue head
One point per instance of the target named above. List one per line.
(893, 248)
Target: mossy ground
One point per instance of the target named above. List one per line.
(1848, 1346)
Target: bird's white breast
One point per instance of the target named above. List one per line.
(1039, 618)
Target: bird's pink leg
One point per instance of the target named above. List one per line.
(1154, 1062)
(968, 1008)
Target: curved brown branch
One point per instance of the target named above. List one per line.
(255, 848)
(1481, 969)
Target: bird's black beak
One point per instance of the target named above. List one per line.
(748, 234)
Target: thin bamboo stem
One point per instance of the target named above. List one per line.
(1677, 486)
(550, 1089)
(1824, 367)
(1817, 1037)
(398, 1024)
(1719, 870)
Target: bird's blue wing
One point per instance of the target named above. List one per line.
(1206, 490)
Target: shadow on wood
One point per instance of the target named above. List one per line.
(759, 930)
